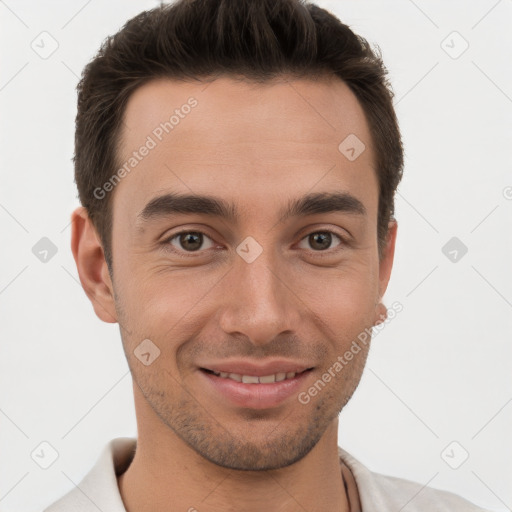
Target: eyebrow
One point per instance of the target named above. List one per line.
(314, 203)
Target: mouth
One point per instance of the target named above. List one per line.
(251, 391)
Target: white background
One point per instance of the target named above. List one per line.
(439, 372)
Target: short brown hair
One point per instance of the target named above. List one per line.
(205, 39)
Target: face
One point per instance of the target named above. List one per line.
(274, 272)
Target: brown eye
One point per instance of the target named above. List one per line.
(321, 240)
(188, 241)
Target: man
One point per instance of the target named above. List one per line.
(263, 132)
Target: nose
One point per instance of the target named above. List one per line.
(261, 302)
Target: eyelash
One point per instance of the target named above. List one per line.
(185, 254)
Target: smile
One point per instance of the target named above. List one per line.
(253, 391)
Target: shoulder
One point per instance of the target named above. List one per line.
(388, 493)
(98, 490)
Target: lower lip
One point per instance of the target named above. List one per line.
(256, 396)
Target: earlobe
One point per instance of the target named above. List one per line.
(91, 265)
(381, 313)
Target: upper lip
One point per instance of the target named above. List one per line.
(242, 367)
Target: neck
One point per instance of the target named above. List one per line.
(166, 474)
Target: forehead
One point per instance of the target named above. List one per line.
(307, 110)
(245, 140)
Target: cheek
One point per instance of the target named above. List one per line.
(345, 316)
(165, 306)
(154, 295)
(346, 298)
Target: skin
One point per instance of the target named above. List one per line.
(256, 145)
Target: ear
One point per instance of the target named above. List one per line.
(385, 266)
(91, 265)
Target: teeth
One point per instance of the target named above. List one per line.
(253, 379)
(250, 379)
